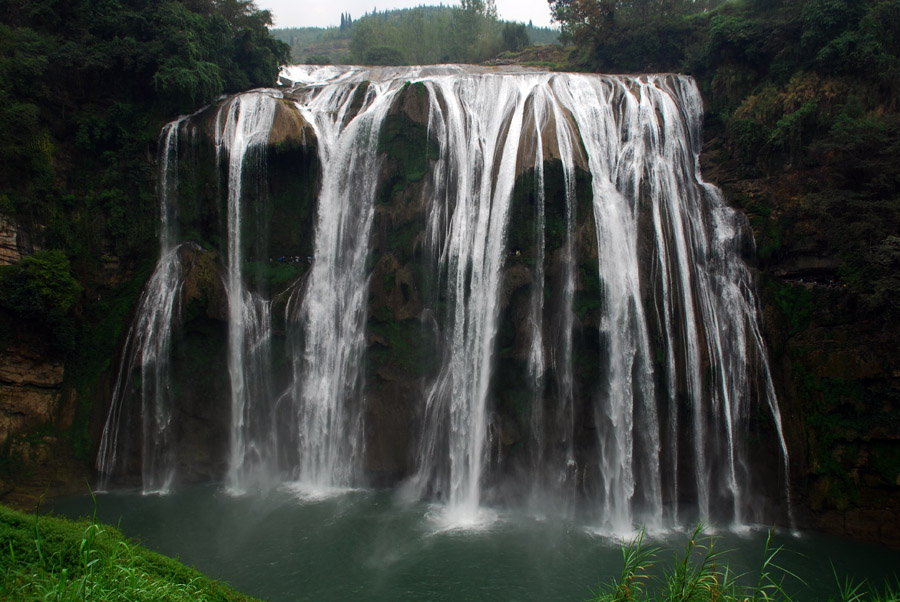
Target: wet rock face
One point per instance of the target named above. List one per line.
(834, 357)
(30, 381)
(401, 349)
(405, 297)
(9, 235)
(198, 361)
(33, 403)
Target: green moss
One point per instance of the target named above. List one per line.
(198, 361)
(407, 344)
(584, 303)
(199, 202)
(886, 458)
(103, 331)
(793, 300)
(274, 275)
(522, 235)
(587, 359)
(401, 240)
(408, 143)
(515, 400)
(590, 296)
(292, 180)
(359, 97)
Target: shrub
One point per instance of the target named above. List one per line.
(41, 288)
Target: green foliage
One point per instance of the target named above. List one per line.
(46, 558)
(317, 45)
(515, 36)
(41, 288)
(469, 33)
(407, 344)
(828, 27)
(85, 87)
(634, 580)
(84, 90)
(26, 151)
(39, 285)
(701, 574)
(383, 55)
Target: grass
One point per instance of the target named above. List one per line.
(701, 574)
(52, 559)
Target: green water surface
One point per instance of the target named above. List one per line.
(367, 545)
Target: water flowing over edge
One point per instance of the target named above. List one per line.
(639, 139)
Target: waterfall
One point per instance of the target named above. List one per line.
(480, 124)
(633, 321)
(329, 333)
(148, 345)
(554, 459)
(243, 127)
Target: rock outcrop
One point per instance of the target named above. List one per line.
(833, 348)
(9, 241)
(29, 388)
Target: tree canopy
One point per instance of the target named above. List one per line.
(470, 32)
(85, 86)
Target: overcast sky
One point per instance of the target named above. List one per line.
(324, 13)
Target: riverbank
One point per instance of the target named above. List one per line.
(48, 558)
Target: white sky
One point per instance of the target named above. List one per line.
(325, 13)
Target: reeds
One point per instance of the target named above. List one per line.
(701, 574)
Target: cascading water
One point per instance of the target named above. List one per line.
(640, 350)
(331, 315)
(554, 453)
(148, 346)
(241, 137)
(481, 123)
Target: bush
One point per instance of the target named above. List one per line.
(383, 55)
(41, 288)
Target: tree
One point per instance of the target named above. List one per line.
(485, 8)
(584, 19)
(515, 36)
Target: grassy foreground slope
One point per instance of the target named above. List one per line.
(49, 558)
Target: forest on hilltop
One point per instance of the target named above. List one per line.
(469, 33)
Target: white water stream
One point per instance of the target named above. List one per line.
(678, 318)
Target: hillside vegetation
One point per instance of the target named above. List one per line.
(85, 88)
(470, 33)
